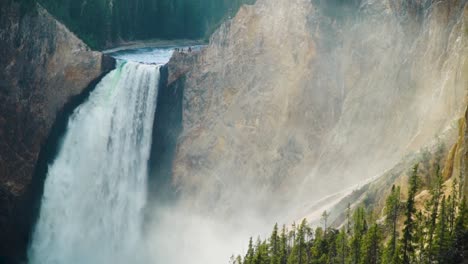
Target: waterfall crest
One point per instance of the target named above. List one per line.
(95, 190)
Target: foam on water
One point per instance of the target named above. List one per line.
(95, 190)
(150, 55)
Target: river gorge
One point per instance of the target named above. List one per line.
(161, 153)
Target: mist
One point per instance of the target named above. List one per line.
(296, 101)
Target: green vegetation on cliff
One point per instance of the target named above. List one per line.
(435, 233)
(101, 22)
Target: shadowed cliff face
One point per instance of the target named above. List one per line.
(43, 66)
(294, 100)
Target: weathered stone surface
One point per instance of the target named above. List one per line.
(447, 151)
(405, 85)
(42, 66)
(289, 100)
(242, 117)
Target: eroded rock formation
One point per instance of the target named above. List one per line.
(43, 65)
(302, 99)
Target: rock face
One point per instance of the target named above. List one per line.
(302, 98)
(43, 65)
(242, 114)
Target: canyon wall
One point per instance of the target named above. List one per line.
(294, 100)
(43, 68)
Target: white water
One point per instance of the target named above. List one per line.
(95, 190)
(150, 55)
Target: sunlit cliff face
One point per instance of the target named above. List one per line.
(404, 85)
(295, 100)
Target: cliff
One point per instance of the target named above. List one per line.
(43, 67)
(295, 100)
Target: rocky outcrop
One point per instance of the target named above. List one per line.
(290, 99)
(43, 66)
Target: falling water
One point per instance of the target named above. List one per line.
(95, 189)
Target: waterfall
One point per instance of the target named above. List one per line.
(95, 190)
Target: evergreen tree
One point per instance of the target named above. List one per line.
(275, 246)
(342, 247)
(331, 252)
(299, 251)
(319, 247)
(364, 244)
(420, 237)
(359, 229)
(309, 236)
(392, 211)
(433, 207)
(348, 219)
(235, 260)
(261, 253)
(408, 230)
(292, 236)
(283, 254)
(324, 220)
(371, 246)
(249, 257)
(460, 234)
(452, 206)
(442, 235)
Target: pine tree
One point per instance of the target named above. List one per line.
(249, 257)
(319, 247)
(452, 206)
(460, 234)
(324, 220)
(392, 211)
(309, 236)
(283, 254)
(441, 244)
(331, 252)
(275, 245)
(348, 219)
(433, 207)
(408, 230)
(365, 244)
(239, 260)
(298, 253)
(359, 229)
(292, 235)
(371, 246)
(261, 253)
(342, 247)
(420, 237)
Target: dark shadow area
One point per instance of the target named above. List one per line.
(166, 130)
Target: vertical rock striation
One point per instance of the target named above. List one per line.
(43, 66)
(302, 98)
(244, 97)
